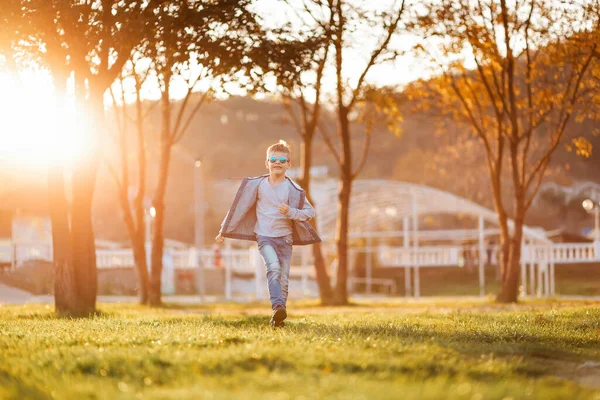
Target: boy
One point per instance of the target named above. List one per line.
(273, 211)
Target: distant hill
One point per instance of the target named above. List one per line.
(231, 136)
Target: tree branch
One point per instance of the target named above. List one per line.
(363, 156)
(529, 86)
(329, 143)
(191, 115)
(290, 110)
(543, 162)
(391, 30)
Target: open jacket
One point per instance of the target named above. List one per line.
(240, 221)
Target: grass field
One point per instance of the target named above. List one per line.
(398, 350)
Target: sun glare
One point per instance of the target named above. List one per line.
(34, 131)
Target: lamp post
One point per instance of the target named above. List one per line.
(149, 218)
(198, 206)
(197, 187)
(373, 211)
(591, 206)
(199, 224)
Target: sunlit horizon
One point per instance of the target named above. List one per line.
(35, 135)
(35, 132)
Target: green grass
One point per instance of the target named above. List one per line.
(539, 350)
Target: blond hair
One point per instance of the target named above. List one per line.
(282, 147)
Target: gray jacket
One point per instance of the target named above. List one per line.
(240, 221)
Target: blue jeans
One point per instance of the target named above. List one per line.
(277, 254)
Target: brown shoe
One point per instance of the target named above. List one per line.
(279, 314)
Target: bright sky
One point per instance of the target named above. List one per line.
(31, 137)
(29, 131)
(402, 71)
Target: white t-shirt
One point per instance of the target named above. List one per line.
(269, 221)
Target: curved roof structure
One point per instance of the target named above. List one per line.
(376, 201)
(579, 189)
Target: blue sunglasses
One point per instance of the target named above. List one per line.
(282, 160)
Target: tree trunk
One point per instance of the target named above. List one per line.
(511, 265)
(509, 290)
(135, 221)
(159, 205)
(62, 260)
(82, 243)
(64, 299)
(137, 237)
(141, 267)
(155, 298)
(139, 249)
(84, 179)
(341, 289)
(325, 290)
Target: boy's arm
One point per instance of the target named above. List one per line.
(306, 213)
(223, 223)
(220, 239)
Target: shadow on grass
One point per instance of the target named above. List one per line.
(37, 316)
(51, 315)
(298, 304)
(412, 332)
(14, 387)
(472, 344)
(230, 306)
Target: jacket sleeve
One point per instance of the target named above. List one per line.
(306, 213)
(231, 208)
(223, 223)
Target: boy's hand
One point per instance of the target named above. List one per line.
(219, 239)
(284, 209)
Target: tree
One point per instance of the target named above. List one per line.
(529, 65)
(89, 41)
(195, 43)
(297, 60)
(347, 17)
(133, 210)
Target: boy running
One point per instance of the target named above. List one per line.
(273, 211)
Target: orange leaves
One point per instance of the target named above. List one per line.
(581, 145)
(381, 107)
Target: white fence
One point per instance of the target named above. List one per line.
(425, 256)
(244, 259)
(450, 256)
(245, 262)
(562, 253)
(538, 262)
(14, 254)
(114, 258)
(537, 272)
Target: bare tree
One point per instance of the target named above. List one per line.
(349, 16)
(133, 209)
(89, 41)
(297, 59)
(529, 66)
(195, 43)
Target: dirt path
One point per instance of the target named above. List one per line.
(586, 374)
(11, 295)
